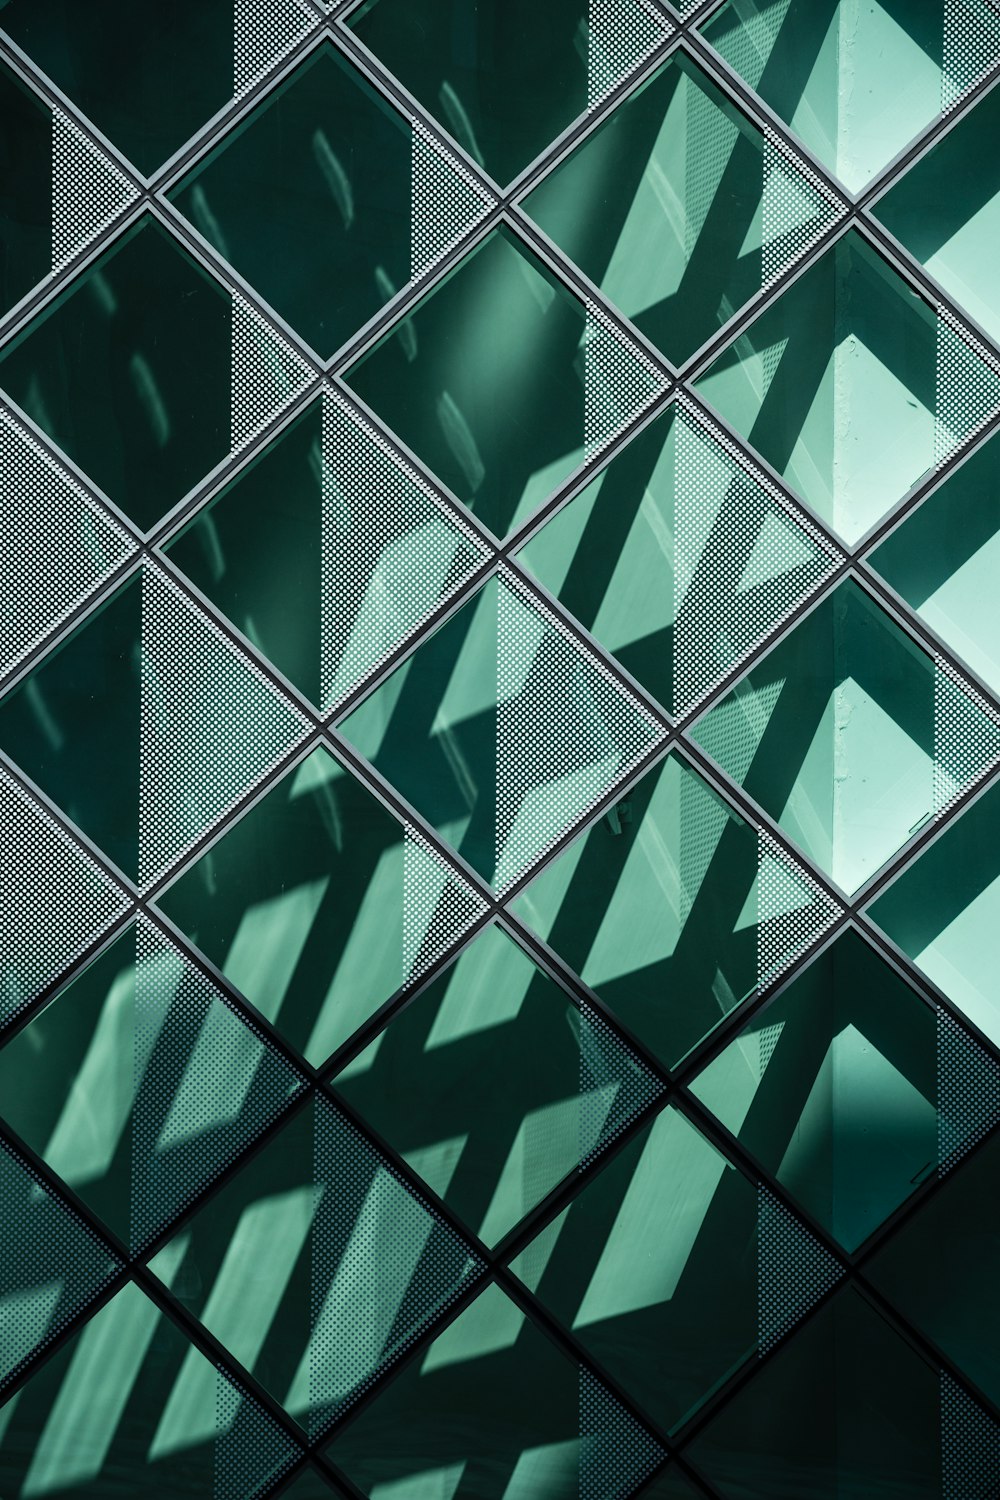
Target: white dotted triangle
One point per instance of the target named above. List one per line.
(793, 911)
(267, 374)
(966, 388)
(966, 736)
(264, 32)
(794, 1270)
(446, 202)
(621, 35)
(88, 191)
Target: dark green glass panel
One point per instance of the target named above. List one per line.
(129, 373)
(659, 909)
(495, 1087)
(676, 559)
(835, 386)
(25, 189)
(148, 80)
(310, 1485)
(503, 79)
(495, 1411)
(845, 1409)
(823, 65)
(152, 1084)
(484, 381)
(300, 905)
(653, 1267)
(501, 730)
(129, 1406)
(661, 207)
(944, 912)
(833, 1088)
(670, 1485)
(80, 707)
(316, 1266)
(834, 735)
(309, 199)
(940, 1269)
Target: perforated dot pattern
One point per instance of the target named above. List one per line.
(391, 552)
(621, 35)
(566, 730)
(797, 209)
(970, 1446)
(966, 737)
(251, 1451)
(620, 381)
(264, 33)
(794, 1270)
(438, 907)
(615, 1086)
(211, 724)
(89, 191)
(970, 50)
(616, 1454)
(793, 911)
(446, 202)
(267, 374)
(968, 1091)
(967, 387)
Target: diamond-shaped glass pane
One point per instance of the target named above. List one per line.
(326, 552)
(679, 209)
(25, 154)
(502, 730)
(850, 736)
(494, 1086)
(852, 387)
(674, 909)
(494, 1407)
(833, 1088)
(149, 1083)
(678, 559)
(317, 1266)
(505, 79)
(824, 66)
(502, 382)
(318, 905)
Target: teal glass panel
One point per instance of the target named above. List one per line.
(943, 913)
(832, 1087)
(128, 371)
(148, 82)
(841, 387)
(495, 1087)
(847, 1407)
(678, 209)
(677, 558)
(501, 383)
(153, 1084)
(849, 735)
(661, 909)
(502, 730)
(309, 199)
(25, 189)
(494, 1409)
(300, 905)
(317, 1266)
(654, 1268)
(822, 66)
(112, 1412)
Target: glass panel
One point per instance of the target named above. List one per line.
(678, 559)
(26, 172)
(833, 1088)
(494, 1411)
(495, 1087)
(501, 383)
(301, 906)
(316, 1266)
(674, 909)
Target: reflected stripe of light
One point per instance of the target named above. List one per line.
(269, 942)
(548, 809)
(486, 988)
(334, 176)
(374, 1274)
(552, 1470)
(436, 1164)
(240, 1310)
(432, 1484)
(491, 1323)
(658, 1223)
(194, 1109)
(150, 399)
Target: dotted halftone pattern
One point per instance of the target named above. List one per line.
(446, 201)
(212, 725)
(267, 374)
(55, 900)
(797, 209)
(89, 191)
(619, 381)
(48, 518)
(615, 1085)
(251, 1452)
(968, 1091)
(438, 907)
(385, 1267)
(205, 1083)
(794, 1270)
(264, 32)
(621, 34)
(970, 49)
(966, 737)
(793, 911)
(616, 1453)
(391, 552)
(51, 1265)
(567, 731)
(970, 1446)
(966, 387)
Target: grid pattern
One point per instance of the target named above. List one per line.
(418, 1274)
